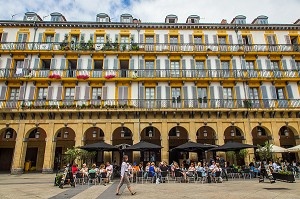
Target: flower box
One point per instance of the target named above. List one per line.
(284, 177)
(109, 76)
(54, 76)
(83, 77)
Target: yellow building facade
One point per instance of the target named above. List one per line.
(66, 84)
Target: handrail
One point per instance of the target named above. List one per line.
(174, 103)
(147, 73)
(147, 47)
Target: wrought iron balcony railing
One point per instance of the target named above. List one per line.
(174, 103)
(147, 47)
(157, 73)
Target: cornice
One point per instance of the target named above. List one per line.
(180, 26)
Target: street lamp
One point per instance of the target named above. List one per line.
(286, 132)
(37, 134)
(150, 133)
(66, 133)
(94, 133)
(8, 134)
(122, 133)
(177, 130)
(205, 133)
(232, 132)
(259, 131)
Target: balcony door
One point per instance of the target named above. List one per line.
(176, 97)
(254, 97)
(149, 43)
(124, 68)
(74, 41)
(175, 69)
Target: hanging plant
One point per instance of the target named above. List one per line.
(109, 76)
(83, 77)
(54, 76)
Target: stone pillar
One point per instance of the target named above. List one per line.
(136, 138)
(249, 140)
(164, 142)
(20, 151)
(49, 150)
(192, 137)
(79, 134)
(276, 136)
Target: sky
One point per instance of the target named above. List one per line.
(210, 11)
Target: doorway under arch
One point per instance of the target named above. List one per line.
(178, 135)
(7, 146)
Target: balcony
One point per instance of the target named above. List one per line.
(145, 47)
(111, 74)
(164, 104)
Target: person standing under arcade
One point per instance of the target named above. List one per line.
(124, 176)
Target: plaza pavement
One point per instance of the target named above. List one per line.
(41, 186)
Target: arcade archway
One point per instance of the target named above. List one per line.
(7, 146)
(177, 135)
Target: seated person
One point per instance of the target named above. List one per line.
(74, 168)
(147, 169)
(141, 168)
(183, 171)
(152, 169)
(200, 168)
(191, 170)
(93, 169)
(109, 170)
(103, 174)
(84, 169)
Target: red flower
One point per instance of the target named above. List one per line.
(83, 77)
(109, 76)
(54, 76)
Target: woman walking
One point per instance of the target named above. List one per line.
(124, 176)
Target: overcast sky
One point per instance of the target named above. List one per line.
(210, 11)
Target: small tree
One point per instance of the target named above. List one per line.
(232, 156)
(77, 154)
(265, 152)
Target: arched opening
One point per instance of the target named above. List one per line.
(152, 135)
(93, 135)
(206, 135)
(7, 146)
(65, 139)
(122, 136)
(177, 136)
(36, 143)
(260, 136)
(287, 140)
(234, 134)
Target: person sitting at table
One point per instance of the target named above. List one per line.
(147, 169)
(201, 169)
(135, 167)
(152, 169)
(183, 172)
(109, 170)
(84, 169)
(103, 174)
(141, 167)
(191, 170)
(74, 168)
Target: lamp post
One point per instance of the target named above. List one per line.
(66, 133)
(8, 134)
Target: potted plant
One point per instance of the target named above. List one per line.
(247, 104)
(286, 176)
(90, 45)
(64, 44)
(123, 47)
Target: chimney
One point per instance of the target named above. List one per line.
(224, 21)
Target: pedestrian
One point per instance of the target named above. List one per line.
(124, 176)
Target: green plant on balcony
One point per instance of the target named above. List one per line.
(123, 106)
(247, 104)
(90, 45)
(123, 47)
(64, 44)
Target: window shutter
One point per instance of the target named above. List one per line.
(24, 37)
(206, 39)
(132, 38)
(8, 63)
(218, 64)
(208, 64)
(3, 92)
(63, 64)
(26, 63)
(131, 65)
(238, 96)
(166, 38)
(167, 67)
(36, 63)
(104, 93)
(77, 93)
(215, 37)
(89, 66)
(56, 37)
(121, 92)
(157, 38)
(191, 39)
(230, 39)
(50, 93)
(59, 93)
(22, 93)
(289, 90)
(31, 93)
(182, 39)
(79, 63)
(125, 92)
(158, 96)
(193, 68)
(240, 39)
(107, 38)
(105, 63)
(157, 68)
(40, 38)
(142, 62)
(53, 64)
(265, 96)
(184, 71)
(284, 65)
(287, 39)
(115, 64)
(273, 92)
(268, 64)
(259, 65)
(233, 61)
(4, 37)
(142, 38)
(293, 65)
(243, 64)
(168, 95)
(141, 96)
(212, 96)
(92, 37)
(194, 92)
(87, 93)
(185, 95)
(249, 39)
(220, 88)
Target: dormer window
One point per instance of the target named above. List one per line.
(171, 19)
(126, 18)
(31, 16)
(102, 17)
(240, 19)
(56, 17)
(193, 19)
(260, 20)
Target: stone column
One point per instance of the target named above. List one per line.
(20, 151)
(164, 142)
(136, 138)
(79, 134)
(49, 150)
(276, 136)
(192, 137)
(249, 140)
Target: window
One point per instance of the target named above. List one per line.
(22, 37)
(202, 95)
(42, 93)
(225, 68)
(176, 99)
(171, 20)
(49, 38)
(246, 39)
(298, 65)
(227, 94)
(253, 93)
(100, 39)
(96, 93)
(69, 93)
(19, 63)
(149, 68)
(198, 40)
(126, 20)
(150, 96)
(222, 40)
(274, 65)
(124, 39)
(249, 65)
(280, 93)
(175, 72)
(98, 64)
(271, 39)
(173, 39)
(149, 40)
(14, 94)
(199, 69)
(101, 19)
